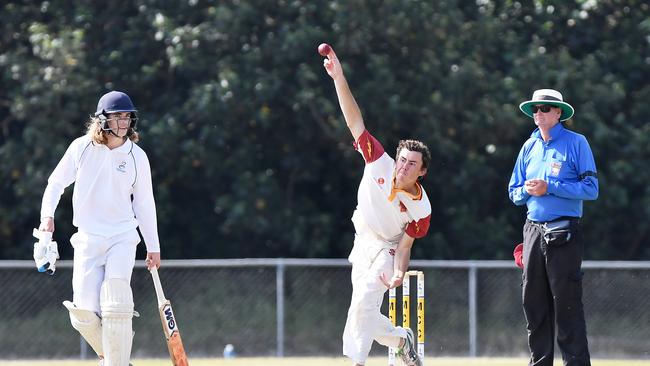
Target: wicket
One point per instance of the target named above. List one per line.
(406, 311)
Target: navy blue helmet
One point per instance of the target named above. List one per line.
(114, 102)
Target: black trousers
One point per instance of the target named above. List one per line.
(552, 295)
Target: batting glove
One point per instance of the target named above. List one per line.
(46, 252)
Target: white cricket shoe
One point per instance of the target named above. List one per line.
(408, 352)
(101, 362)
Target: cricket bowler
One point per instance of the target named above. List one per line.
(392, 211)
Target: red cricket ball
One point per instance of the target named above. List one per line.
(324, 49)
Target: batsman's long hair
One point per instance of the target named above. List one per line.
(99, 136)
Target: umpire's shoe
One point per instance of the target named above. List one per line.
(408, 352)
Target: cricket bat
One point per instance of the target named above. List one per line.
(170, 327)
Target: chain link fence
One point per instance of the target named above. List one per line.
(297, 307)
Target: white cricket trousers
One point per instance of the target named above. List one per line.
(365, 321)
(97, 258)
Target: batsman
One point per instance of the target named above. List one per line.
(392, 211)
(112, 197)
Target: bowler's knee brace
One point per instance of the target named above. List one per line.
(116, 303)
(88, 324)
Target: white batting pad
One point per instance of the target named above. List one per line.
(116, 302)
(88, 324)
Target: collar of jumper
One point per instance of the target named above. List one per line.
(416, 197)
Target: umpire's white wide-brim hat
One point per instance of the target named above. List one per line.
(547, 96)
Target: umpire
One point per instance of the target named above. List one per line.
(553, 174)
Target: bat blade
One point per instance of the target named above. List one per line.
(176, 350)
(170, 327)
(172, 335)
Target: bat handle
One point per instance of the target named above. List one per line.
(156, 283)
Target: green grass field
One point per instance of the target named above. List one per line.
(323, 361)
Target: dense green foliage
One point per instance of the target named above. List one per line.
(249, 151)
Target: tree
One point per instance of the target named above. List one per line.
(249, 151)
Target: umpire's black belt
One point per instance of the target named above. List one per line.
(574, 220)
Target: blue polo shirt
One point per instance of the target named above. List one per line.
(566, 163)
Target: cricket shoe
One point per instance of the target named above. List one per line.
(101, 362)
(408, 353)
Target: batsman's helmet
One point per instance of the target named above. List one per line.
(113, 102)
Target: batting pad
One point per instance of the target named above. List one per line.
(116, 302)
(88, 324)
